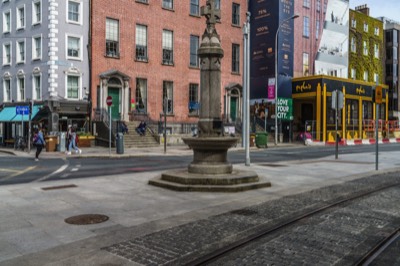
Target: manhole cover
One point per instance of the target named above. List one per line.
(86, 219)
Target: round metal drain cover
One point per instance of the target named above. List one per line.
(86, 219)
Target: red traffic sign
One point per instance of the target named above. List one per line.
(109, 100)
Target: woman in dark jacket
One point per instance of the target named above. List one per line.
(39, 143)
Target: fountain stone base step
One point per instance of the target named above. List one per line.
(182, 180)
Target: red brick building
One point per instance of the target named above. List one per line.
(144, 51)
(308, 29)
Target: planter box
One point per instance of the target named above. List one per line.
(86, 141)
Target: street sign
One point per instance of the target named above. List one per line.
(22, 110)
(109, 101)
(337, 100)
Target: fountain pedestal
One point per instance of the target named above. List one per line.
(210, 155)
(210, 169)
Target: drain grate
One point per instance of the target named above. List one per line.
(84, 219)
(59, 187)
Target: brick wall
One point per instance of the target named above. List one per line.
(129, 13)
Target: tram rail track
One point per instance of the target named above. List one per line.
(265, 231)
(371, 255)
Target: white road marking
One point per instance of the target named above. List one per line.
(59, 170)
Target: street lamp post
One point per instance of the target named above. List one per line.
(246, 88)
(276, 75)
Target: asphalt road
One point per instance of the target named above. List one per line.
(14, 170)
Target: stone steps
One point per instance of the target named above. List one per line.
(133, 139)
(181, 180)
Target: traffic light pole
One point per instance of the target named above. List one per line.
(376, 136)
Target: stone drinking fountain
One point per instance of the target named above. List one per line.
(210, 169)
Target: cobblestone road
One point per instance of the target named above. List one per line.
(331, 238)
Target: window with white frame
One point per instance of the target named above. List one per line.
(365, 75)
(73, 87)
(306, 3)
(20, 17)
(318, 5)
(7, 90)
(7, 21)
(168, 97)
(306, 64)
(376, 78)
(7, 53)
(376, 31)
(365, 46)
(141, 43)
(37, 92)
(376, 50)
(353, 45)
(169, 4)
(74, 47)
(317, 28)
(353, 73)
(365, 27)
(353, 23)
(36, 47)
(194, 46)
(36, 12)
(217, 4)
(74, 12)
(306, 27)
(167, 47)
(112, 37)
(141, 95)
(21, 88)
(235, 58)
(193, 99)
(235, 14)
(194, 7)
(20, 52)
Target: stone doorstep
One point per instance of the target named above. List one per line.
(262, 183)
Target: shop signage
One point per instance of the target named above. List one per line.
(271, 89)
(285, 109)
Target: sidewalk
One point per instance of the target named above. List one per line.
(33, 231)
(99, 151)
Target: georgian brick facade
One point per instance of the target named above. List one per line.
(117, 73)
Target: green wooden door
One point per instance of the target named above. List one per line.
(114, 93)
(233, 108)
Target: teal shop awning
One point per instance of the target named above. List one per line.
(9, 114)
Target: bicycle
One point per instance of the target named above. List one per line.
(20, 143)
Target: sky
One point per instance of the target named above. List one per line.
(380, 8)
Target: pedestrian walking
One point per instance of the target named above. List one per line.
(68, 138)
(39, 142)
(73, 142)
